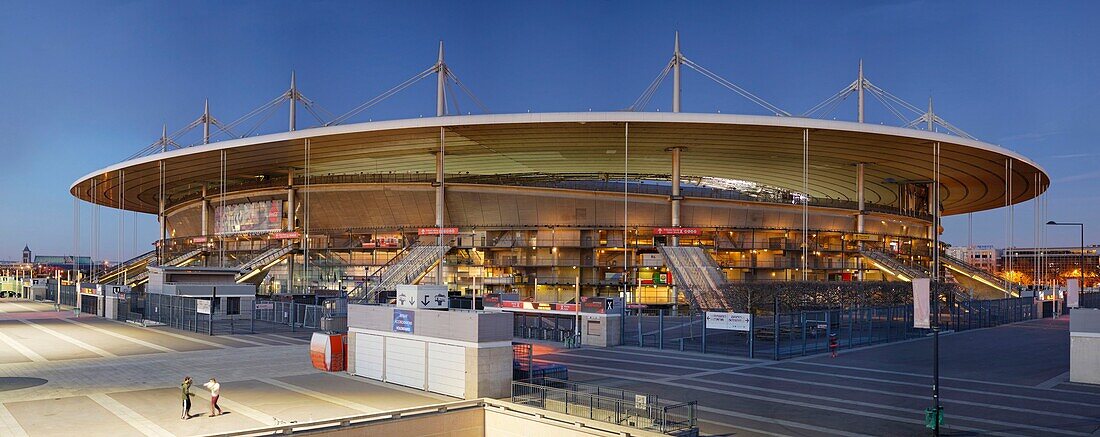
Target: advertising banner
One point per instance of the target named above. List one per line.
(921, 302)
(202, 306)
(246, 218)
(728, 321)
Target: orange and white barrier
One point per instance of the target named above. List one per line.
(328, 352)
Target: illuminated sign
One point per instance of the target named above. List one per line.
(286, 235)
(246, 218)
(403, 321)
(863, 237)
(677, 231)
(437, 231)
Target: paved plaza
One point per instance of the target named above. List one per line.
(66, 375)
(1009, 380)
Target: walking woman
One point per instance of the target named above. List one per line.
(215, 391)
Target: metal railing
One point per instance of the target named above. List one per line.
(620, 407)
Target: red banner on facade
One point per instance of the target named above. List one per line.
(198, 240)
(677, 231)
(286, 235)
(437, 231)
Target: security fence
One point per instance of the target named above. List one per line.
(607, 404)
(797, 333)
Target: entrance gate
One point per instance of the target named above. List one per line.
(550, 327)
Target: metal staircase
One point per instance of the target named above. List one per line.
(407, 268)
(700, 279)
(140, 278)
(127, 269)
(260, 263)
(892, 266)
(973, 277)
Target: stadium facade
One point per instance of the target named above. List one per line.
(552, 204)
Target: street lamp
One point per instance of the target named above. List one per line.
(1081, 266)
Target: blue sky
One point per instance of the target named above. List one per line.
(85, 84)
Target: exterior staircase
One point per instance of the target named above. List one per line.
(698, 277)
(407, 268)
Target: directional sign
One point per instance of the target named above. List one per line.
(422, 296)
(728, 321)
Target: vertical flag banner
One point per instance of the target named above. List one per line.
(921, 302)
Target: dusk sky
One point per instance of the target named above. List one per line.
(86, 84)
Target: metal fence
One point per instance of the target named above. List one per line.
(261, 316)
(791, 334)
(611, 405)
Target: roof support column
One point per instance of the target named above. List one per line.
(860, 196)
(439, 204)
(293, 94)
(676, 197)
(162, 218)
(205, 211)
(677, 59)
(290, 205)
(441, 77)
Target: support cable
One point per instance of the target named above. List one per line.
(643, 100)
(733, 87)
(470, 94)
(374, 101)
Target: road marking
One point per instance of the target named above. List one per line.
(294, 339)
(1050, 383)
(77, 343)
(29, 309)
(319, 395)
(881, 392)
(117, 335)
(254, 343)
(917, 375)
(908, 418)
(950, 388)
(26, 352)
(9, 425)
(237, 407)
(196, 340)
(633, 361)
(785, 423)
(652, 354)
(131, 417)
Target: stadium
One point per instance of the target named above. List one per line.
(661, 208)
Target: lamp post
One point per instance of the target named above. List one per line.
(1081, 254)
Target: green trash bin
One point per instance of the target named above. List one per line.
(932, 418)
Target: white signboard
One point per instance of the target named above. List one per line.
(202, 306)
(921, 301)
(728, 321)
(265, 305)
(640, 401)
(1073, 293)
(422, 296)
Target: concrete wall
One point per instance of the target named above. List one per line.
(460, 423)
(485, 336)
(1084, 345)
(601, 330)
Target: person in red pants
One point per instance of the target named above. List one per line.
(833, 345)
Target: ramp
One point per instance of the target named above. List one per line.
(699, 278)
(983, 283)
(407, 268)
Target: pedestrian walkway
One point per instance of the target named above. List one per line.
(124, 381)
